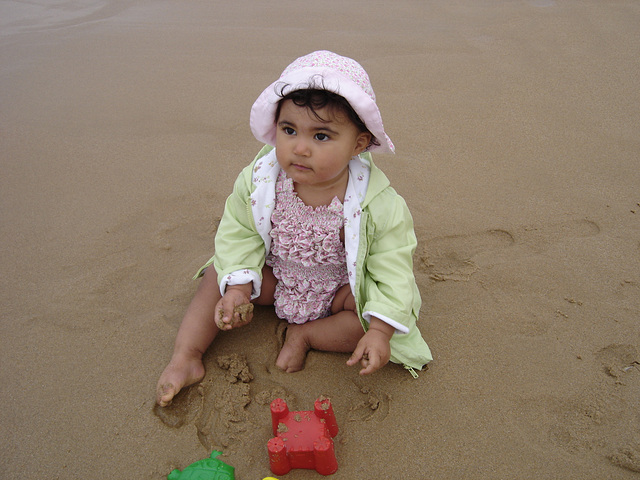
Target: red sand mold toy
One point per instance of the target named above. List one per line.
(303, 439)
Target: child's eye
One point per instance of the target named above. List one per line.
(323, 137)
(288, 131)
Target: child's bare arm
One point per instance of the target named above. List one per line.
(373, 350)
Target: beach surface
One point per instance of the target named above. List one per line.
(123, 125)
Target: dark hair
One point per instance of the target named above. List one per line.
(316, 99)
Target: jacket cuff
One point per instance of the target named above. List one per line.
(242, 277)
(398, 326)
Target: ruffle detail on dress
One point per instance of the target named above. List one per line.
(307, 255)
(301, 296)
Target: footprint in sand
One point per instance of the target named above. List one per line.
(451, 257)
(456, 257)
(538, 238)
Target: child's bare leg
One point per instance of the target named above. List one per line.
(337, 333)
(343, 300)
(197, 331)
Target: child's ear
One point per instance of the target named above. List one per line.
(362, 142)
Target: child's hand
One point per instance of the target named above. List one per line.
(373, 350)
(227, 315)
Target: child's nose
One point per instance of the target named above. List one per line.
(301, 147)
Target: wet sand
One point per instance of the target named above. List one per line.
(516, 124)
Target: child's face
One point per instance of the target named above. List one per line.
(315, 152)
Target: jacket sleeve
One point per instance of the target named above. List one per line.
(239, 248)
(390, 290)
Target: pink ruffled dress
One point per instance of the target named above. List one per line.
(307, 255)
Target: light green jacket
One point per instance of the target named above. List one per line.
(379, 243)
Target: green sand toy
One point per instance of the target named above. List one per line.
(205, 469)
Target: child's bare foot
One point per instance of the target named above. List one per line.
(294, 351)
(181, 372)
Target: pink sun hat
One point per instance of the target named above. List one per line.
(321, 69)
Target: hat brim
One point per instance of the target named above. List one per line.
(263, 111)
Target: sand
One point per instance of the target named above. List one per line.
(123, 125)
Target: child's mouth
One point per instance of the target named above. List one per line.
(301, 167)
